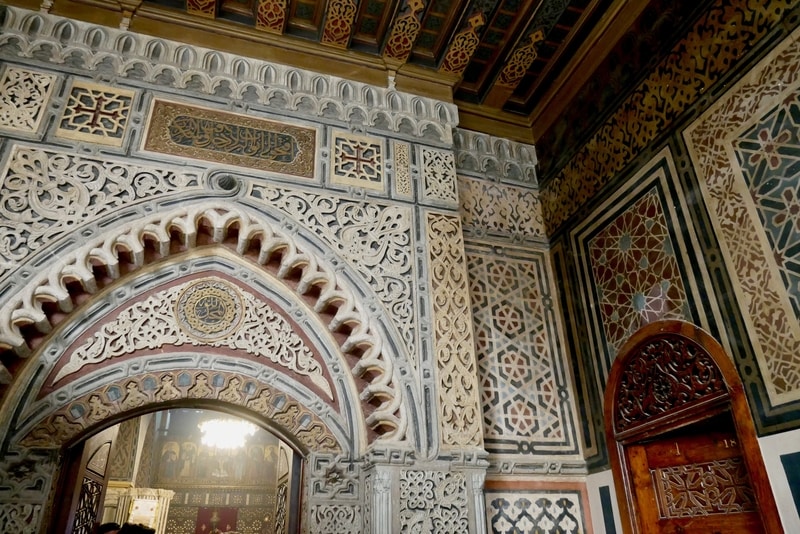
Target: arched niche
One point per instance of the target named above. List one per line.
(681, 439)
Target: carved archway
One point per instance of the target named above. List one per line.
(49, 298)
(674, 409)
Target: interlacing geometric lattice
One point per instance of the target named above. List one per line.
(433, 501)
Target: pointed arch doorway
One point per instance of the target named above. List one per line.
(681, 440)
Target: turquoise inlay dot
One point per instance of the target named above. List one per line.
(625, 243)
(639, 301)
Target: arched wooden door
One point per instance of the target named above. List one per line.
(681, 438)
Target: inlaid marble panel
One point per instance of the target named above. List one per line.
(525, 394)
(746, 150)
(632, 256)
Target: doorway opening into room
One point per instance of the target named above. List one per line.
(182, 471)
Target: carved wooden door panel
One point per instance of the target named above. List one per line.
(682, 443)
(694, 481)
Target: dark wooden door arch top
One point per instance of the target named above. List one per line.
(681, 439)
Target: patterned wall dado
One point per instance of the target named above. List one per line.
(459, 404)
(523, 376)
(711, 48)
(286, 90)
(745, 151)
(490, 209)
(24, 95)
(46, 193)
(639, 231)
(96, 113)
(535, 512)
(210, 312)
(357, 160)
(71, 418)
(375, 238)
(187, 131)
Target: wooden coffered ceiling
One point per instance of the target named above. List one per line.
(515, 68)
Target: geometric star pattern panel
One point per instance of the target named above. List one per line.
(638, 260)
(534, 512)
(769, 156)
(527, 407)
(635, 272)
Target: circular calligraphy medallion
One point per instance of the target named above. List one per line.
(209, 309)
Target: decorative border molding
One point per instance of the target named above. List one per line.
(131, 56)
(501, 160)
(70, 418)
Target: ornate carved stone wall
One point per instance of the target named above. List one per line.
(115, 210)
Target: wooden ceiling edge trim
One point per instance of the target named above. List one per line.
(254, 44)
(513, 128)
(32, 5)
(612, 27)
(419, 81)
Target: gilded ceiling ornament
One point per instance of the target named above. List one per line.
(339, 22)
(203, 8)
(463, 46)
(520, 61)
(271, 15)
(405, 32)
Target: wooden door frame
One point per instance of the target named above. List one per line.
(729, 396)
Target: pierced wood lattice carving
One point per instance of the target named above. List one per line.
(666, 373)
(716, 487)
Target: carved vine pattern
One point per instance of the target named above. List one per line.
(665, 374)
(374, 239)
(45, 194)
(151, 324)
(124, 395)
